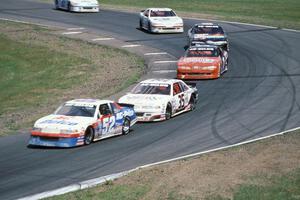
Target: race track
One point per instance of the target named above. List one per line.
(259, 95)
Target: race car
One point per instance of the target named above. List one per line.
(160, 20)
(202, 62)
(77, 5)
(209, 33)
(82, 121)
(161, 99)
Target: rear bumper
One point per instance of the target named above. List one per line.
(150, 117)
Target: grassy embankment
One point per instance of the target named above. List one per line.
(265, 170)
(268, 12)
(39, 70)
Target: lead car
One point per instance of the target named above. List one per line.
(82, 121)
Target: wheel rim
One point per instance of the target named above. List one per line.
(168, 113)
(126, 127)
(192, 103)
(88, 137)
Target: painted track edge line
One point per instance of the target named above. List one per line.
(100, 180)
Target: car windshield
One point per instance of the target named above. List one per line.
(162, 13)
(76, 110)
(214, 30)
(150, 88)
(203, 52)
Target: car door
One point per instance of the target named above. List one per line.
(178, 97)
(107, 119)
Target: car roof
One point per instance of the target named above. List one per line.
(88, 101)
(161, 81)
(161, 9)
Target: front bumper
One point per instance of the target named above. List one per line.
(199, 74)
(84, 8)
(167, 29)
(150, 117)
(55, 140)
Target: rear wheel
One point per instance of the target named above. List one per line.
(168, 112)
(126, 126)
(89, 136)
(69, 6)
(149, 27)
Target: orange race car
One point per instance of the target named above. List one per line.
(202, 62)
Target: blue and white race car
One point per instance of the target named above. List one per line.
(82, 121)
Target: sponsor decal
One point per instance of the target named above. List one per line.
(62, 122)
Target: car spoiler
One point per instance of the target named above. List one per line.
(126, 105)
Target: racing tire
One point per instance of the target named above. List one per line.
(89, 136)
(168, 112)
(226, 66)
(126, 126)
(56, 5)
(192, 103)
(69, 7)
(141, 25)
(149, 27)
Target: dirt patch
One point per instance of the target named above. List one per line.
(219, 172)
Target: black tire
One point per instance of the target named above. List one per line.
(89, 136)
(141, 25)
(226, 66)
(168, 112)
(126, 126)
(56, 5)
(192, 103)
(69, 7)
(149, 27)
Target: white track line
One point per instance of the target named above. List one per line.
(163, 71)
(131, 45)
(71, 33)
(103, 179)
(165, 61)
(75, 29)
(158, 53)
(102, 39)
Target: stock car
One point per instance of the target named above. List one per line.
(209, 33)
(202, 62)
(160, 20)
(77, 5)
(82, 121)
(161, 99)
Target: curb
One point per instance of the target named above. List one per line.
(101, 180)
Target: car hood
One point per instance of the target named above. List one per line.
(167, 20)
(145, 99)
(85, 1)
(199, 60)
(61, 122)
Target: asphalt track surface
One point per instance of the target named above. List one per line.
(259, 95)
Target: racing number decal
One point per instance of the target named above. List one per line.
(108, 124)
(181, 101)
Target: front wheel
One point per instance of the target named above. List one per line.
(168, 112)
(69, 7)
(89, 136)
(192, 103)
(56, 5)
(126, 126)
(149, 27)
(141, 25)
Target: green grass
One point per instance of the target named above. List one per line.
(29, 75)
(109, 192)
(271, 12)
(286, 187)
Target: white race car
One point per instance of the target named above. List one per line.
(77, 5)
(82, 121)
(161, 99)
(160, 20)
